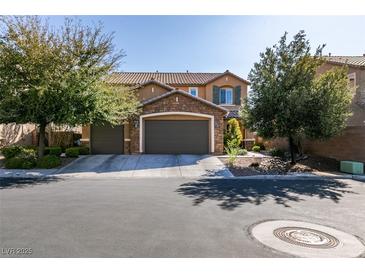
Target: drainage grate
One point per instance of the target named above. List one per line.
(306, 237)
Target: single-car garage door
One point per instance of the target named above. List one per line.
(176, 137)
(107, 139)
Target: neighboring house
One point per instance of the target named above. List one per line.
(21, 134)
(350, 145)
(27, 134)
(181, 113)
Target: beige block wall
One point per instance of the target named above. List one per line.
(350, 145)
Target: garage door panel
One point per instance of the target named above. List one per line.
(107, 139)
(177, 137)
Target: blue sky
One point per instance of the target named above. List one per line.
(217, 43)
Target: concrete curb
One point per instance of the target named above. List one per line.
(256, 177)
(58, 174)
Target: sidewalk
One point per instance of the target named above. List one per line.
(26, 173)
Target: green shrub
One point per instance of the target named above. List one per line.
(256, 148)
(72, 152)
(276, 152)
(11, 151)
(14, 162)
(233, 150)
(261, 145)
(242, 151)
(19, 157)
(49, 161)
(32, 147)
(53, 151)
(18, 162)
(233, 133)
(84, 151)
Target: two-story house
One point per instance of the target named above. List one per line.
(180, 113)
(350, 145)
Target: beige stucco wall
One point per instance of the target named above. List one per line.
(358, 102)
(149, 91)
(226, 81)
(85, 132)
(201, 90)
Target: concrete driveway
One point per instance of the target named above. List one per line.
(147, 166)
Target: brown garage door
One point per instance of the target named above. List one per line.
(176, 137)
(107, 139)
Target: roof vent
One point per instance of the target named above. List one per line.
(156, 71)
(329, 54)
(363, 54)
(187, 71)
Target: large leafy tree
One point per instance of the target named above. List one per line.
(288, 98)
(56, 75)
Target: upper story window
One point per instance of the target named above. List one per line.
(226, 96)
(352, 79)
(193, 91)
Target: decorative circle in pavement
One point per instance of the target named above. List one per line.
(303, 239)
(306, 237)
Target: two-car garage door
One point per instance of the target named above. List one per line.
(176, 136)
(160, 137)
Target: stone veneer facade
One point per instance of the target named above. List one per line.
(177, 102)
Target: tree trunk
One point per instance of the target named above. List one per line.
(42, 139)
(300, 148)
(291, 149)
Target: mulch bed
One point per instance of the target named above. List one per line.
(277, 166)
(66, 161)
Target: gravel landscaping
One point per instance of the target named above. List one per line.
(249, 166)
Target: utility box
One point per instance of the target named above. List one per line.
(352, 167)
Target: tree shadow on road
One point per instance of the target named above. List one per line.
(233, 193)
(7, 183)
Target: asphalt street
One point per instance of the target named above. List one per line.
(165, 217)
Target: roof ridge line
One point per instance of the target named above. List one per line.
(183, 72)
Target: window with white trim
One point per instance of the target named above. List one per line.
(226, 96)
(193, 91)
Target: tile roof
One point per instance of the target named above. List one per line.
(357, 61)
(156, 98)
(232, 114)
(169, 78)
